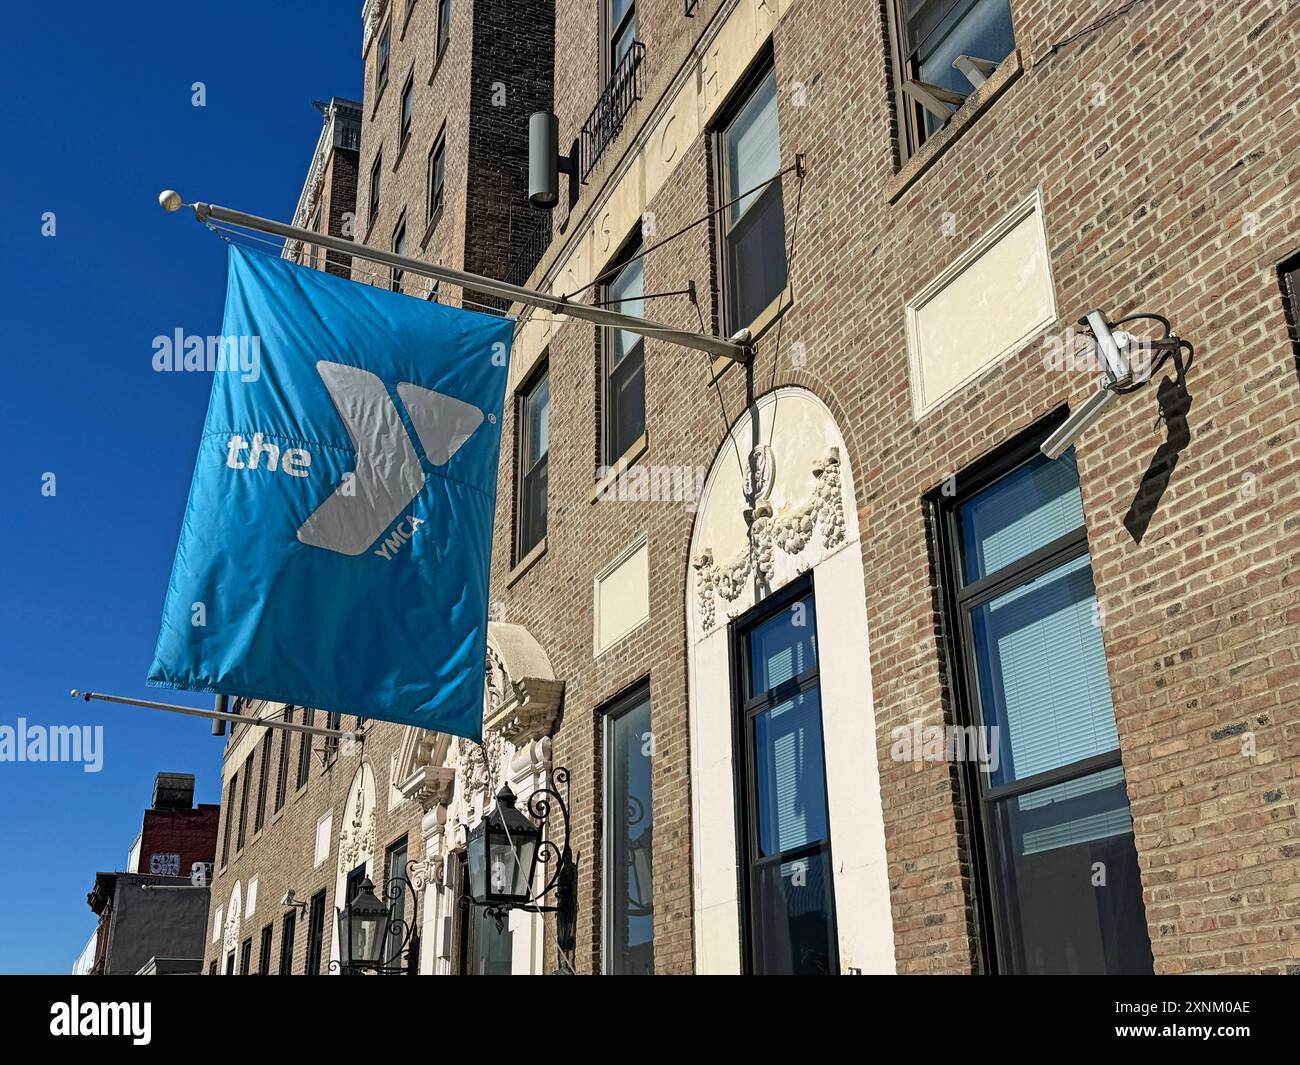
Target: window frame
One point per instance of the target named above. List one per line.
(959, 600)
(523, 396)
(246, 957)
(264, 953)
(908, 112)
(383, 57)
(622, 260)
(263, 778)
(376, 187)
(246, 772)
(621, 705)
(610, 34)
(743, 709)
(435, 196)
(405, 122)
(288, 928)
(282, 769)
(743, 92)
(396, 277)
(315, 934)
(442, 30)
(304, 750)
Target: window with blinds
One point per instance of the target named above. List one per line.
(1061, 884)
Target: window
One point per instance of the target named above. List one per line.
(944, 50)
(406, 113)
(375, 187)
(334, 720)
(1051, 807)
(264, 770)
(629, 837)
(229, 803)
(315, 933)
(247, 779)
(230, 964)
(444, 25)
(753, 227)
(620, 32)
(436, 175)
(381, 60)
(212, 968)
(623, 357)
(788, 902)
(287, 929)
(534, 440)
(399, 248)
(395, 870)
(304, 749)
(282, 772)
(264, 956)
(246, 957)
(1289, 273)
(481, 950)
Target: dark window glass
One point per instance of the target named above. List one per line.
(753, 227)
(534, 444)
(790, 906)
(245, 786)
(304, 748)
(933, 34)
(282, 773)
(381, 59)
(437, 177)
(1289, 272)
(480, 949)
(246, 957)
(286, 942)
(620, 22)
(1060, 863)
(264, 956)
(627, 894)
(263, 775)
(624, 395)
(212, 968)
(444, 25)
(230, 964)
(407, 112)
(315, 933)
(394, 872)
(399, 248)
(375, 186)
(228, 802)
(332, 721)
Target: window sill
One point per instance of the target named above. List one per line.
(401, 152)
(437, 63)
(760, 326)
(639, 447)
(433, 224)
(962, 119)
(527, 562)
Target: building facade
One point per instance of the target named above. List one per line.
(846, 674)
(152, 914)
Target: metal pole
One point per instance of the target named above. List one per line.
(218, 715)
(738, 348)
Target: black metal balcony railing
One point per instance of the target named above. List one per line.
(529, 249)
(606, 118)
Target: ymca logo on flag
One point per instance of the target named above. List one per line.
(335, 549)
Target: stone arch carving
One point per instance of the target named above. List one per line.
(234, 916)
(357, 831)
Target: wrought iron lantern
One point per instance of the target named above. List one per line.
(502, 855)
(375, 939)
(509, 851)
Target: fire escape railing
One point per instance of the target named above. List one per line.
(530, 250)
(612, 107)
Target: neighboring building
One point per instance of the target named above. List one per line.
(152, 915)
(761, 613)
(443, 159)
(328, 202)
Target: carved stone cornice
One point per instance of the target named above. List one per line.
(529, 712)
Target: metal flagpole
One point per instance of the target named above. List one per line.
(738, 348)
(217, 715)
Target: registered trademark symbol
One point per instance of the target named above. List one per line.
(492, 418)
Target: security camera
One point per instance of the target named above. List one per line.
(1083, 416)
(288, 898)
(1112, 347)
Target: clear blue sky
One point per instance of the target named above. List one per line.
(99, 120)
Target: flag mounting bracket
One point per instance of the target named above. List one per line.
(219, 715)
(738, 348)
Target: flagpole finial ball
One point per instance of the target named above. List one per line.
(169, 200)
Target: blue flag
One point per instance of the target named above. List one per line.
(338, 535)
